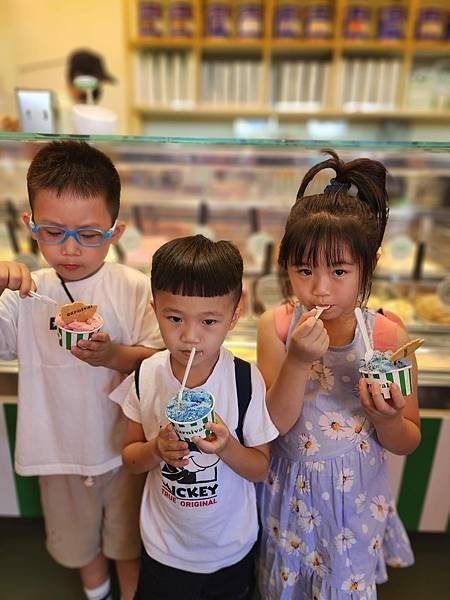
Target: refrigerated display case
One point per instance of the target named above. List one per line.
(242, 191)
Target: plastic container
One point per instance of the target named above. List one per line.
(287, 20)
(402, 377)
(91, 120)
(151, 19)
(68, 338)
(186, 430)
(318, 20)
(249, 23)
(181, 19)
(218, 20)
(391, 22)
(430, 23)
(358, 21)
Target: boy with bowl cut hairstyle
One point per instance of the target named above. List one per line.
(198, 514)
(68, 432)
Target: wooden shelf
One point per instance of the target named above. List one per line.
(271, 54)
(206, 112)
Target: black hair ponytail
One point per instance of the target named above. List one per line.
(366, 175)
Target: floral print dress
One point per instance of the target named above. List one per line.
(329, 522)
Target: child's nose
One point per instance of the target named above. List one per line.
(71, 247)
(189, 335)
(321, 286)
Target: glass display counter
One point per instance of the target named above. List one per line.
(242, 191)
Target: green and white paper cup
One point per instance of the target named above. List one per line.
(186, 430)
(402, 377)
(68, 338)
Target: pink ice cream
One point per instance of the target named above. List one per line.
(95, 322)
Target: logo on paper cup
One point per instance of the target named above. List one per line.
(402, 377)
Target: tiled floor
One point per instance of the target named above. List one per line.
(28, 573)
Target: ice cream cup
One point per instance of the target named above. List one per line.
(401, 376)
(186, 430)
(68, 338)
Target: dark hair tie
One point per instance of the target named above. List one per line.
(335, 185)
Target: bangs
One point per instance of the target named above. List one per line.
(323, 238)
(195, 266)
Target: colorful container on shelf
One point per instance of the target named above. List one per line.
(392, 21)
(287, 20)
(430, 23)
(318, 20)
(181, 19)
(218, 19)
(150, 19)
(357, 21)
(249, 23)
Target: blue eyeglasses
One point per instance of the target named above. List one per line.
(54, 235)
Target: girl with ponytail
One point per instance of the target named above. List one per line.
(329, 523)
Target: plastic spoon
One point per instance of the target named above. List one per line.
(362, 327)
(319, 310)
(186, 373)
(43, 298)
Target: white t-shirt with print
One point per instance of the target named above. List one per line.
(66, 422)
(203, 517)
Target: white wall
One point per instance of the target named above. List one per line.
(36, 37)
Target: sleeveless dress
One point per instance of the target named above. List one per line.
(328, 518)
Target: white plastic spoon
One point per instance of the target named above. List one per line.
(319, 310)
(42, 298)
(365, 335)
(186, 374)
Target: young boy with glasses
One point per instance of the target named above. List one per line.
(68, 431)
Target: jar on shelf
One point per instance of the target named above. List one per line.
(150, 19)
(391, 21)
(430, 21)
(287, 20)
(249, 24)
(218, 20)
(181, 19)
(357, 22)
(318, 20)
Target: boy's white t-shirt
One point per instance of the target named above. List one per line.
(66, 422)
(201, 518)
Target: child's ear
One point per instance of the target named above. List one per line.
(235, 318)
(118, 232)
(26, 218)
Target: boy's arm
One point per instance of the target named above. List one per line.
(100, 351)
(140, 455)
(250, 463)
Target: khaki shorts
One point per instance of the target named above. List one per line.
(81, 521)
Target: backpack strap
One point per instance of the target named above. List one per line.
(283, 318)
(137, 372)
(243, 376)
(384, 332)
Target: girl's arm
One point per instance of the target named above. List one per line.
(286, 373)
(397, 422)
(140, 455)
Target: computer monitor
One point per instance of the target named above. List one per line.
(36, 110)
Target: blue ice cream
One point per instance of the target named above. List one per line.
(380, 362)
(194, 405)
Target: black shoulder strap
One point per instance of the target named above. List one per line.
(242, 372)
(136, 380)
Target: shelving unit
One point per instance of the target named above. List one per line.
(215, 73)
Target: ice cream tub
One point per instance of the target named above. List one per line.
(190, 415)
(69, 334)
(402, 376)
(68, 337)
